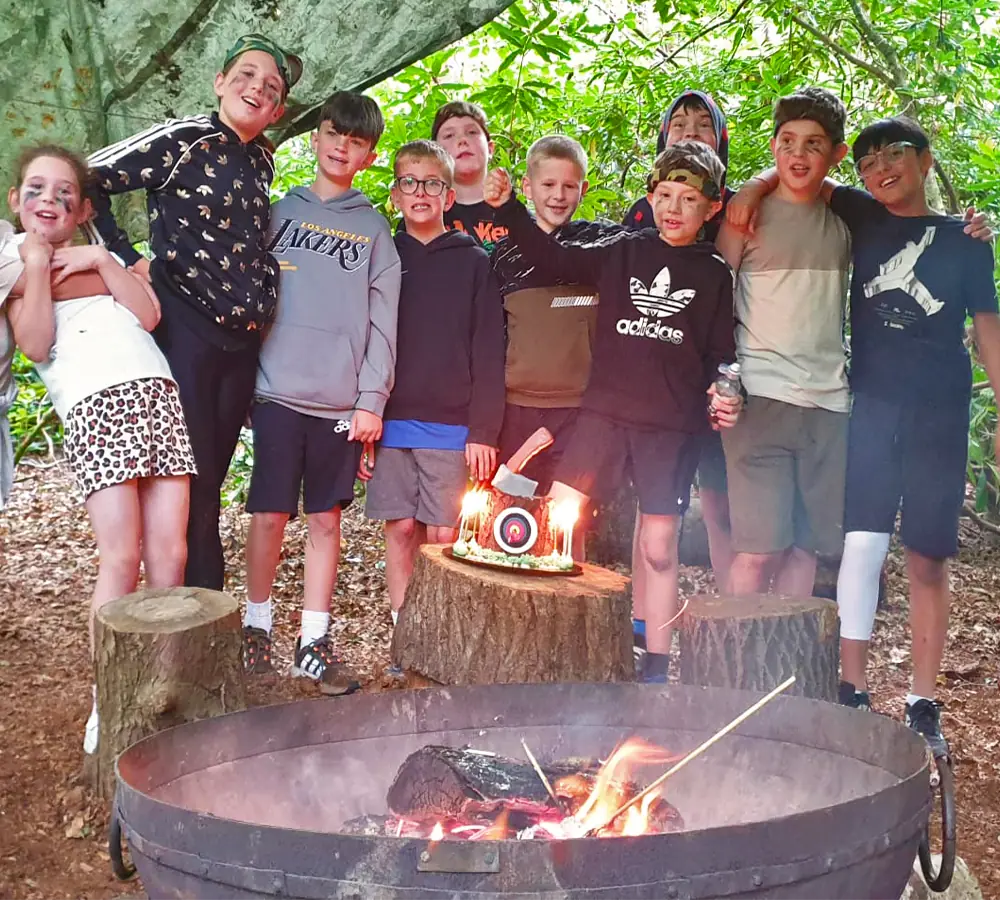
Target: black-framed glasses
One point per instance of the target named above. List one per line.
(890, 154)
(433, 187)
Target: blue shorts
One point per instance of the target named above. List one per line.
(910, 457)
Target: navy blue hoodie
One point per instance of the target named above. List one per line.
(641, 213)
(450, 343)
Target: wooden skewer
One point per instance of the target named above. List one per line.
(677, 615)
(739, 720)
(541, 774)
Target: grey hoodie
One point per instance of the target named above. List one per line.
(332, 346)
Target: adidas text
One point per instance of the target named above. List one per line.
(644, 327)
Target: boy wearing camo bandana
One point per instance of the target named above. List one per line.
(207, 181)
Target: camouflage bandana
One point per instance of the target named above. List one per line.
(289, 65)
(686, 176)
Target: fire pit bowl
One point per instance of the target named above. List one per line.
(805, 799)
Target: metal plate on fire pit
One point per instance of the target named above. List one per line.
(465, 857)
(500, 567)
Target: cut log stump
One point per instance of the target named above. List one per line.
(467, 624)
(162, 657)
(755, 642)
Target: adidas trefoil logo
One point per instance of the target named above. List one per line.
(655, 302)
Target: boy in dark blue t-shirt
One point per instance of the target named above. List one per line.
(917, 276)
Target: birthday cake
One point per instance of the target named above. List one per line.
(506, 525)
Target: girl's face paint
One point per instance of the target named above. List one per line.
(49, 201)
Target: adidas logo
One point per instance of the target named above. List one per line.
(646, 327)
(656, 300)
(342, 426)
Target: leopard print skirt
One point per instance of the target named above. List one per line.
(131, 430)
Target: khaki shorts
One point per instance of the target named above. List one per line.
(426, 485)
(787, 469)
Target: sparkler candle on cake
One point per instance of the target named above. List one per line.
(507, 525)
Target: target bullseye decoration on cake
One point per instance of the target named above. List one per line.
(515, 530)
(506, 526)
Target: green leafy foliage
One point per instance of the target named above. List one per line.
(603, 71)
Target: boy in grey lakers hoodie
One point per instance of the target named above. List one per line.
(326, 369)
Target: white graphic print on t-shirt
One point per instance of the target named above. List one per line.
(897, 273)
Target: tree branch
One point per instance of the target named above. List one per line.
(871, 69)
(708, 29)
(970, 513)
(949, 188)
(881, 43)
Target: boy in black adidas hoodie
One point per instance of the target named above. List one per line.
(207, 180)
(445, 408)
(665, 323)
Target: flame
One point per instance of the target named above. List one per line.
(475, 502)
(608, 794)
(563, 515)
(437, 832)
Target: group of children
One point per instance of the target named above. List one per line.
(417, 361)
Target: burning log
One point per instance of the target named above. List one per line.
(463, 794)
(755, 642)
(464, 624)
(162, 657)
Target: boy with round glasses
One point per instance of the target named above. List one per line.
(444, 413)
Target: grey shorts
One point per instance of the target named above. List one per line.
(426, 485)
(787, 469)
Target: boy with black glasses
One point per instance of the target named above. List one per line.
(444, 414)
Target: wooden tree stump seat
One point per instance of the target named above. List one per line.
(162, 657)
(754, 642)
(467, 624)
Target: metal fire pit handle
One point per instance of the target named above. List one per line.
(942, 879)
(122, 871)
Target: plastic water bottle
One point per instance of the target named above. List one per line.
(727, 384)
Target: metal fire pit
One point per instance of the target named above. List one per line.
(806, 799)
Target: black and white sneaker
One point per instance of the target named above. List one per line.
(852, 697)
(924, 717)
(256, 651)
(318, 661)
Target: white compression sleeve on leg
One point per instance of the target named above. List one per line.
(857, 583)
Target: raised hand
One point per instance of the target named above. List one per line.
(498, 188)
(36, 251)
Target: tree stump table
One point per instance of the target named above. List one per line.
(755, 642)
(468, 624)
(162, 657)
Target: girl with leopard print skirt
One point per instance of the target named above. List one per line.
(125, 436)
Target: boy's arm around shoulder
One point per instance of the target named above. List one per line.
(731, 243)
(486, 406)
(144, 161)
(378, 366)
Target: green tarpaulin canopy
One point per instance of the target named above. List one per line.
(86, 73)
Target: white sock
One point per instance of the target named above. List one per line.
(913, 698)
(395, 616)
(314, 625)
(857, 583)
(90, 730)
(258, 615)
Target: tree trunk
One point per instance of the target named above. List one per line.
(755, 642)
(162, 657)
(467, 624)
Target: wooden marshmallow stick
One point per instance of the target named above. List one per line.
(694, 754)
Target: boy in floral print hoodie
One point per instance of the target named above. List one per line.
(207, 181)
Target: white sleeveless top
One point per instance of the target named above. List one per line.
(98, 344)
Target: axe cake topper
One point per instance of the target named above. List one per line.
(508, 479)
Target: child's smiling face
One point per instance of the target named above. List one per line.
(556, 187)
(340, 156)
(251, 94)
(49, 201)
(804, 153)
(680, 210)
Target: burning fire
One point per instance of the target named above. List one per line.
(563, 516)
(584, 804)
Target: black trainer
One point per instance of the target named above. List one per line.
(256, 651)
(852, 697)
(319, 662)
(924, 717)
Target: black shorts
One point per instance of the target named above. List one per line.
(521, 422)
(295, 453)
(601, 453)
(916, 457)
(712, 463)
